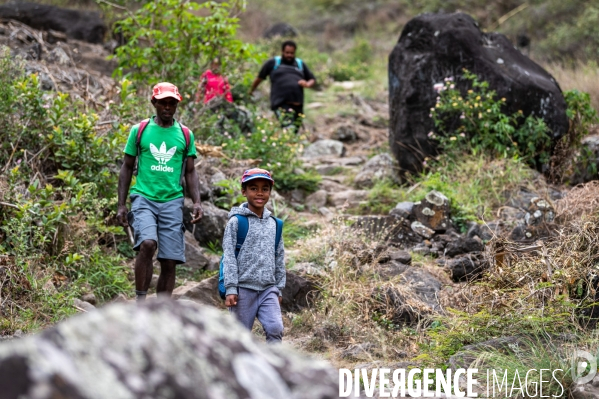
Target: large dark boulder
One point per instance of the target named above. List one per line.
(77, 24)
(159, 349)
(281, 29)
(433, 47)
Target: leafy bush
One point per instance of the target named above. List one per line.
(476, 122)
(168, 40)
(58, 192)
(273, 147)
(347, 71)
(570, 160)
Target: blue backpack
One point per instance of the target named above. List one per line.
(243, 226)
(300, 63)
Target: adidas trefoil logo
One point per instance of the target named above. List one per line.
(162, 156)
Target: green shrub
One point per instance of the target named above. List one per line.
(230, 193)
(175, 41)
(275, 148)
(476, 122)
(341, 71)
(475, 184)
(570, 159)
(382, 197)
(58, 193)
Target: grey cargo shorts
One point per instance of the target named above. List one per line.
(161, 222)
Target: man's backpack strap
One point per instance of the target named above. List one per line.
(298, 61)
(277, 62)
(142, 126)
(187, 136)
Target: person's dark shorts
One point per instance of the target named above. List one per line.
(161, 222)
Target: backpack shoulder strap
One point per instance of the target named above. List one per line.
(187, 136)
(140, 129)
(142, 126)
(243, 226)
(300, 64)
(279, 232)
(277, 62)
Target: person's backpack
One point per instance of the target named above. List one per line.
(243, 226)
(300, 63)
(142, 126)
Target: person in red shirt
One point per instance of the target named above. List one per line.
(213, 84)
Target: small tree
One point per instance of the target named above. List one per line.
(175, 40)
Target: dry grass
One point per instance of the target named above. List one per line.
(550, 282)
(583, 77)
(359, 315)
(581, 201)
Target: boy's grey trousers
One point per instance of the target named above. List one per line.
(265, 306)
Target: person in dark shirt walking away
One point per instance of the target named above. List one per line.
(288, 78)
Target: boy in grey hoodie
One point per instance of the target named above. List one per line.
(254, 280)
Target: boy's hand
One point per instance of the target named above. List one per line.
(280, 300)
(231, 300)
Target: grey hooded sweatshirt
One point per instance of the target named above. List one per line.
(257, 267)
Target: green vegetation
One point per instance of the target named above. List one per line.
(477, 122)
(267, 145)
(570, 159)
(168, 40)
(475, 184)
(58, 188)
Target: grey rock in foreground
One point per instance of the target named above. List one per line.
(161, 349)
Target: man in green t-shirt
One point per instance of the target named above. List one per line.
(157, 196)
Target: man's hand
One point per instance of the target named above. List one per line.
(198, 212)
(306, 84)
(231, 300)
(280, 300)
(121, 215)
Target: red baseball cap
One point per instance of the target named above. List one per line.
(164, 90)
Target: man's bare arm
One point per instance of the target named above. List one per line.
(193, 189)
(123, 189)
(255, 84)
